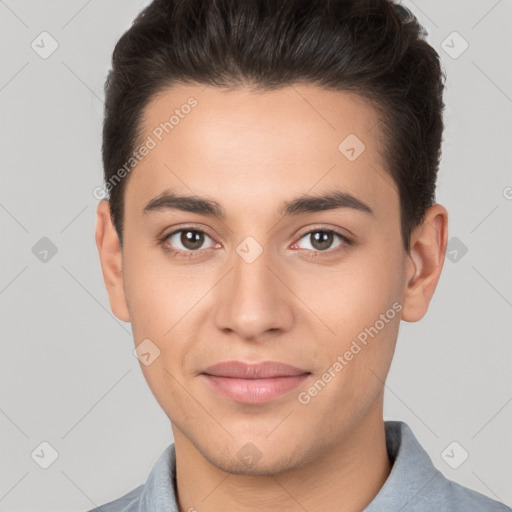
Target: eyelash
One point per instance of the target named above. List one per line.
(193, 254)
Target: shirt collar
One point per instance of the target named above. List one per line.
(160, 489)
(411, 473)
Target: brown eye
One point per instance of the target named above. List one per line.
(321, 240)
(190, 240)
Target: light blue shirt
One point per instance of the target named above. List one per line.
(414, 484)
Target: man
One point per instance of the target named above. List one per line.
(271, 171)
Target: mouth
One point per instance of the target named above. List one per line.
(254, 383)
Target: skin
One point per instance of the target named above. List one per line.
(296, 303)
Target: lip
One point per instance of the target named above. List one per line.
(254, 383)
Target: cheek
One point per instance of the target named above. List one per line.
(361, 305)
(352, 296)
(357, 358)
(157, 303)
(162, 301)
(152, 297)
(152, 279)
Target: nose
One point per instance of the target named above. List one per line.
(254, 297)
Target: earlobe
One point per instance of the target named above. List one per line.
(424, 263)
(110, 253)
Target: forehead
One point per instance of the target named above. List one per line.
(243, 145)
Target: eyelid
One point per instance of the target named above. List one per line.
(346, 241)
(323, 227)
(193, 227)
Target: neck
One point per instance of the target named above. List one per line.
(345, 477)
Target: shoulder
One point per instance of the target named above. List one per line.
(158, 493)
(127, 503)
(416, 484)
(453, 497)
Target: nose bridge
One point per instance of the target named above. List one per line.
(252, 298)
(251, 263)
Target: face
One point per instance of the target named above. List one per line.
(267, 273)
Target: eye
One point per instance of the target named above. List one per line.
(189, 242)
(321, 239)
(186, 240)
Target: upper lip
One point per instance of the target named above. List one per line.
(265, 369)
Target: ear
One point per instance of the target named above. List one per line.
(111, 259)
(425, 261)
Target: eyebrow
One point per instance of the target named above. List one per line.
(169, 200)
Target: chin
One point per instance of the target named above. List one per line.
(250, 461)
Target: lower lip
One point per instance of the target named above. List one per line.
(254, 391)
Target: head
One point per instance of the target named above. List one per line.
(306, 137)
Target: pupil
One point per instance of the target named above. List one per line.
(322, 239)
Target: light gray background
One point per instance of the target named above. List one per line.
(68, 375)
